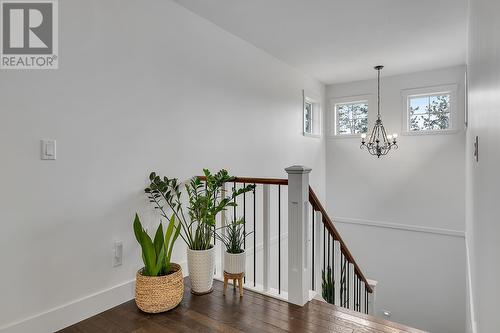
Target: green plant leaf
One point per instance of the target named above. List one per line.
(158, 240)
(149, 254)
(160, 261)
(137, 229)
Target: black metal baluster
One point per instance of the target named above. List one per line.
(341, 277)
(360, 297)
(312, 250)
(366, 300)
(244, 226)
(254, 236)
(234, 201)
(348, 285)
(279, 239)
(328, 253)
(333, 267)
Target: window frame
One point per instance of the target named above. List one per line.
(450, 89)
(316, 114)
(334, 125)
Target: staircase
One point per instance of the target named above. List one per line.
(294, 251)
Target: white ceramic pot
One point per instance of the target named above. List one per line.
(201, 265)
(235, 263)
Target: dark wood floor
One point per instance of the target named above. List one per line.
(252, 313)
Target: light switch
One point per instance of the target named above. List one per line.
(48, 149)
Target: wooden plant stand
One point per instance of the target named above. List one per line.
(236, 278)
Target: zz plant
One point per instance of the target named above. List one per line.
(205, 200)
(156, 253)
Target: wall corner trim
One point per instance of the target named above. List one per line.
(398, 226)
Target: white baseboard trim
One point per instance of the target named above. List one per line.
(75, 311)
(70, 313)
(406, 227)
(472, 313)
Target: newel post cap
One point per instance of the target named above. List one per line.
(294, 169)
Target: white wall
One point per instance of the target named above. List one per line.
(142, 86)
(419, 187)
(483, 190)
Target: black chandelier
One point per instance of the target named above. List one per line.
(379, 143)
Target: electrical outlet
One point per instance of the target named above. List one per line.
(117, 253)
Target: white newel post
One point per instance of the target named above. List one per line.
(298, 237)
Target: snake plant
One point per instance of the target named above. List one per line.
(156, 253)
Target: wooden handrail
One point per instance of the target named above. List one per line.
(317, 206)
(248, 180)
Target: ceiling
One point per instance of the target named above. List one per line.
(341, 40)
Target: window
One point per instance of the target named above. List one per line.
(308, 117)
(430, 110)
(311, 115)
(348, 116)
(352, 118)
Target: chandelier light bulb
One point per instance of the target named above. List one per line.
(395, 135)
(363, 136)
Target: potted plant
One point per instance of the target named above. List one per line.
(205, 201)
(235, 255)
(159, 284)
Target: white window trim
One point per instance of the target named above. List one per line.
(332, 121)
(315, 99)
(451, 89)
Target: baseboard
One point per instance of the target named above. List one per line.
(405, 227)
(472, 313)
(70, 313)
(75, 311)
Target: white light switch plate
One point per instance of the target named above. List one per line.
(48, 149)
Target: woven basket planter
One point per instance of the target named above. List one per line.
(201, 265)
(154, 294)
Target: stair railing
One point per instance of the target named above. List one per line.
(304, 234)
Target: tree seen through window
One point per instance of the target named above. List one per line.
(352, 118)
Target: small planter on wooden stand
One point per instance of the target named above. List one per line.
(234, 269)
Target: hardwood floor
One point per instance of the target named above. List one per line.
(252, 313)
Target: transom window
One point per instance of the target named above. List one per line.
(429, 112)
(351, 117)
